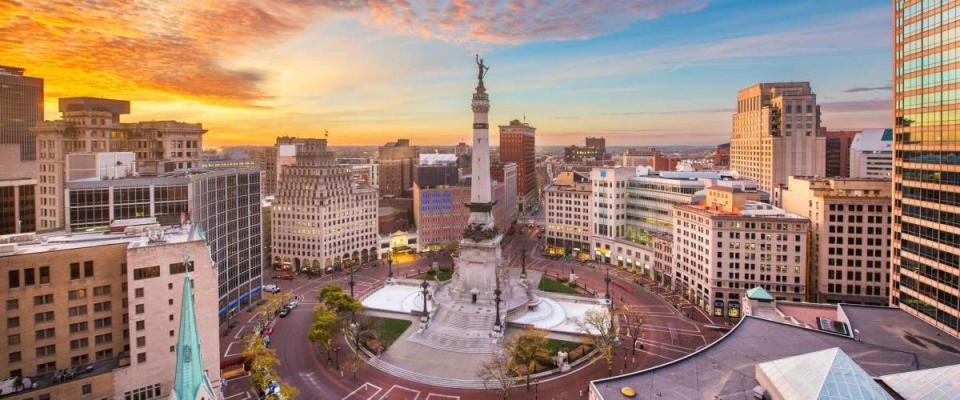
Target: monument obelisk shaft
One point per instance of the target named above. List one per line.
(481, 201)
(477, 265)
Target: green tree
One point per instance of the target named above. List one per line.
(339, 301)
(526, 351)
(262, 360)
(326, 325)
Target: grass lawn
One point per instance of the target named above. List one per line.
(390, 330)
(548, 284)
(445, 275)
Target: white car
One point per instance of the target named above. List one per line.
(293, 304)
(271, 288)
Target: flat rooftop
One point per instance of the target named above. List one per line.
(890, 341)
(58, 241)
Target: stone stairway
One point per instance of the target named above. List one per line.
(429, 379)
(461, 328)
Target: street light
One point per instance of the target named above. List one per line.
(390, 267)
(351, 281)
(496, 322)
(523, 263)
(426, 315)
(337, 351)
(607, 280)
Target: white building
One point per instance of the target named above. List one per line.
(322, 218)
(733, 242)
(871, 154)
(567, 210)
(100, 166)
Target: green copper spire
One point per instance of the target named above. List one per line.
(190, 378)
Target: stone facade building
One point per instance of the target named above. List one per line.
(731, 243)
(850, 220)
(93, 125)
(776, 134)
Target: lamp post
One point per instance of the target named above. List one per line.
(351, 283)
(389, 267)
(496, 322)
(426, 315)
(523, 263)
(607, 281)
(337, 351)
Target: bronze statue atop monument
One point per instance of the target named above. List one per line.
(481, 70)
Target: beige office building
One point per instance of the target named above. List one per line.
(731, 243)
(850, 221)
(107, 304)
(93, 125)
(322, 218)
(567, 210)
(776, 134)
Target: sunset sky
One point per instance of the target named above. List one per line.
(637, 72)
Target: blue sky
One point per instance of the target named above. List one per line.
(639, 72)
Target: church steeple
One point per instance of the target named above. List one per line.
(190, 381)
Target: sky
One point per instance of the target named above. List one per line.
(638, 72)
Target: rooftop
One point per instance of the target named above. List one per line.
(873, 140)
(145, 236)
(727, 368)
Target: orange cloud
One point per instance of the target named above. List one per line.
(164, 50)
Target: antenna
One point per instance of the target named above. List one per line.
(326, 134)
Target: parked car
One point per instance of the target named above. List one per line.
(284, 312)
(268, 331)
(271, 288)
(293, 304)
(284, 276)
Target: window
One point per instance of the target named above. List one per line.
(102, 323)
(14, 357)
(46, 351)
(104, 338)
(101, 290)
(146, 272)
(74, 271)
(138, 293)
(141, 325)
(78, 311)
(78, 327)
(13, 304)
(140, 308)
(104, 354)
(101, 307)
(42, 299)
(86, 389)
(44, 275)
(43, 317)
(79, 344)
(29, 279)
(78, 294)
(141, 357)
(141, 341)
(13, 322)
(87, 269)
(13, 279)
(177, 268)
(48, 333)
(13, 340)
(45, 368)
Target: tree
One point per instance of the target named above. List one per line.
(526, 351)
(598, 326)
(262, 360)
(326, 326)
(497, 371)
(337, 300)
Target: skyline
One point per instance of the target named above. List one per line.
(636, 73)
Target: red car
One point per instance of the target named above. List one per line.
(286, 277)
(268, 331)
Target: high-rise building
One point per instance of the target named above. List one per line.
(926, 155)
(322, 218)
(107, 304)
(731, 243)
(436, 170)
(776, 134)
(21, 108)
(594, 151)
(838, 153)
(93, 125)
(599, 143)
(871, 154)
(648, 157)
(518, 145)
(850, 222)
(224, 204)
(721, 159)
(17, 205)
(398, 161)
(265, 159)
(441, 211)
